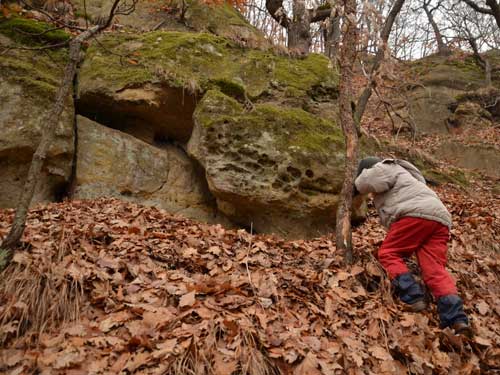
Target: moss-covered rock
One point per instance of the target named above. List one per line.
(189, 64)
(486, 100)
(195, 59)
(32, 32)
(454, 72)
(275, 169)
(438, 81)
(28, 81)
(189, 15)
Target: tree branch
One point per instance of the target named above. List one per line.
(318, 15)
(276, 10)
(477, 8)
(384, 36)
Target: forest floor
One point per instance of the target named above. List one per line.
(108, 287)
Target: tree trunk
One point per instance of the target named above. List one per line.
(16, 231)
(443, 49)
(483, 62)
(379, 57)
(347, 60)
(332, 37)
(276, 10)
(299, 35)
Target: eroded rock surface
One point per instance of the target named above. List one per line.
(273, 169)
(114, 164)
(28, 81)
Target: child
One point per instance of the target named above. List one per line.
(419, 223)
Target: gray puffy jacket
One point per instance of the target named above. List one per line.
(400, 191)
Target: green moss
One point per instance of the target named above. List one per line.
(292, 92)
(230, 88)
(304, 73)
(179, 58)
(293, 129)
(215, 16)
(324, 6)
(31, 32)
(34, 70)
(38, 72)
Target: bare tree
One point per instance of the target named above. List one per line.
(331, 35)
(16, 231)
(298, 26)
(384, 38)
(347, 60)
(493, 8)
(443, 49)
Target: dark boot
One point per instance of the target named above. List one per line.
(451, 314)
(410, 292)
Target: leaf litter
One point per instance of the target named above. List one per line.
(109, 287)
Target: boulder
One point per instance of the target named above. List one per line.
(114, 164)
(484, 101)
(429, 108)
(469, 115)
(440, 80)
(28, 81)
(481, 157)
(275, 170)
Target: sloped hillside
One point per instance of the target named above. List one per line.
(111, 287)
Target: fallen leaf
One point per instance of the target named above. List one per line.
(187, 300)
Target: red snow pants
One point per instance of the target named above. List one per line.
(428, 239)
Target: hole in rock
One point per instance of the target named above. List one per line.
(309, 173)
(294, 172)
(145, 112)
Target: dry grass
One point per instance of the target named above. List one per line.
(37, 294)
(252, 359)
(200, 357)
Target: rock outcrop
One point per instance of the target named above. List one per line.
(480, 157)
(273, 169)
(153, 94)
(438, 83)
(28, 81)
(220, 19)
(114, 164)
(274, 162)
